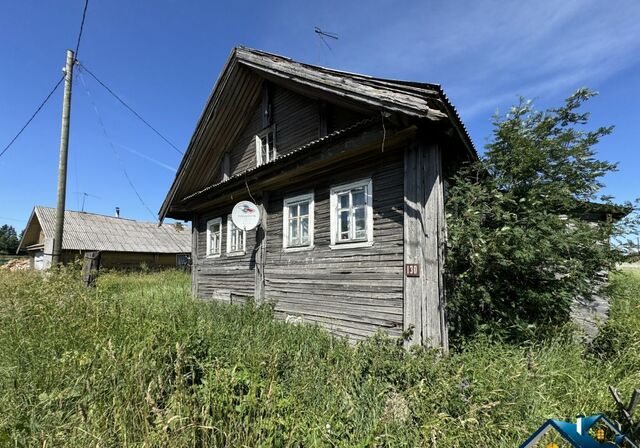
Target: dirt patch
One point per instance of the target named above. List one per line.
(18, 264)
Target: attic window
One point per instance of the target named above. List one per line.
(266, 146)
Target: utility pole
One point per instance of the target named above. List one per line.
(62, 166)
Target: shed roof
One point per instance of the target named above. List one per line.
(89, 231)
(240, 82)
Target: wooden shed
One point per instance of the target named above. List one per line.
(349, 172)
(123, 243)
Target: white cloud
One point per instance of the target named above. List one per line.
(486, 52)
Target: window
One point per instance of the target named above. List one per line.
(352, 215)
(214, 237)
(236, 238)
(266, 146)
(183, 260)
(297, 221)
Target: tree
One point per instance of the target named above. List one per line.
(519, 251)
(8, 240)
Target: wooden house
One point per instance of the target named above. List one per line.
(123, 243)
(349, 173)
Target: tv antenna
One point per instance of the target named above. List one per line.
(84, 197)
(324, 35)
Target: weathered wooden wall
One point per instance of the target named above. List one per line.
(218, 277)
(125, 260)
(298, 121)
(351, 292)
(424, 244)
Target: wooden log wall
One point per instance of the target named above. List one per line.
(219, 277)
(352, 292)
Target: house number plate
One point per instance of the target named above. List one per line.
(412, 270)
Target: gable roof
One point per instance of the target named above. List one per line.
(569, 432)
(239, 84)
(89, 231)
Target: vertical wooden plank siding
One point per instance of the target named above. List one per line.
(261, 243)
(423, 245)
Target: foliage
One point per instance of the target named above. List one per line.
(8, 240)
(137, 362)
(520, 250)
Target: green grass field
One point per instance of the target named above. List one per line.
(137, 362)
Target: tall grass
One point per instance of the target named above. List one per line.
(137, 362)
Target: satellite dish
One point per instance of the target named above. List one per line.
(245, 215)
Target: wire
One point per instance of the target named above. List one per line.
(384, 130)
(113, 148)
(33, 116)
(84, 14)
(129, 107)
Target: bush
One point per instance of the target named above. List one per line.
(520, 250)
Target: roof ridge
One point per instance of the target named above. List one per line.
(100, 214)
(334, 70)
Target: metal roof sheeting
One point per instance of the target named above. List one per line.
(88, 231)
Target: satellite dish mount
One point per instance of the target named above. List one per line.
(245, 215)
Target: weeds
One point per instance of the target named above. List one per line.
(137, 362)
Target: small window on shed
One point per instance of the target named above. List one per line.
(352, 215)
(266, 146)
(297, 220)
(214, 237)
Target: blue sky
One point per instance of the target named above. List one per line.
(164, 56)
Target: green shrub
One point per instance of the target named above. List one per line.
(520, 248)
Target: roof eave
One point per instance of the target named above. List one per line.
(24, 233)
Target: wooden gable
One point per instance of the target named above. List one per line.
(307, 101)
(298, 120)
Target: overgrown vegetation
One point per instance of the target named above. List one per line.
(520, 248)
(138, 362)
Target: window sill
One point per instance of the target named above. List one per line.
(297, 248)
(236, 254)
(213, 256)
(353, 245)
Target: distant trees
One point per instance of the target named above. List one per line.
(519, 251)
(8, 240)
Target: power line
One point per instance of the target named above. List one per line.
(33, 116)
(84, 14)
(113, 148)
(129, 107)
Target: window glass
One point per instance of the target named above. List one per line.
(350, 215)
(298, 219)
(214, 236)
(235, 236)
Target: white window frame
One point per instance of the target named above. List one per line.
(270, 157)
(293, 200)
(230, 228)
(334, 215)
(210, 253)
